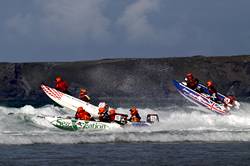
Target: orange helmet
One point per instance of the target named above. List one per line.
(209, 83)
(80, 109)
(58, 79)
(133, 110)
(82, 90)
(112, 112)
(101, 110)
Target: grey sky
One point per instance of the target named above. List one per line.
(69, 30)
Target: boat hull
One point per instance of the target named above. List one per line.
(200, 99)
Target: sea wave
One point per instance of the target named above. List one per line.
(26, 125)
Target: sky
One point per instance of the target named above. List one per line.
(72, 30)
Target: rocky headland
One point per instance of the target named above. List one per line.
(124, 79)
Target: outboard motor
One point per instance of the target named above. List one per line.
(121, 118)
(152, 118)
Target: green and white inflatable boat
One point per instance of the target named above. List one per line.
(73, 124)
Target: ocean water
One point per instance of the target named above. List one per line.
(184, 136)
(146, 154)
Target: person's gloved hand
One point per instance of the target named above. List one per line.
(213, 96)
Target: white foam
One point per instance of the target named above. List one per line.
(176, 124)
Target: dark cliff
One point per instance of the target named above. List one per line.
(124, 78)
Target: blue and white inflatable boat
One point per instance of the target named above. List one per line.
(203, 99)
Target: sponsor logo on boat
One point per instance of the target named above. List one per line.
(63, 123)
(90, 125)
(79, 124)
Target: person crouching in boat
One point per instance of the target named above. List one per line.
(103, 112)
(230, 102)
(83, 95)
(82, 114)
(192, 83)
(112, 114)
(212, 91)
(135, 117)
(61, 85)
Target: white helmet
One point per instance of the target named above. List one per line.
(102, 104)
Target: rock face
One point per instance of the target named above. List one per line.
(124, 78)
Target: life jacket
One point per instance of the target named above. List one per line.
(101, 110)
(192, 83)
(135, 118)
(212, 90)
(62, 86)
(82, 115)
(85, 116)
(103, 115)
(112, 114)
(232, 99)
(213, 94)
